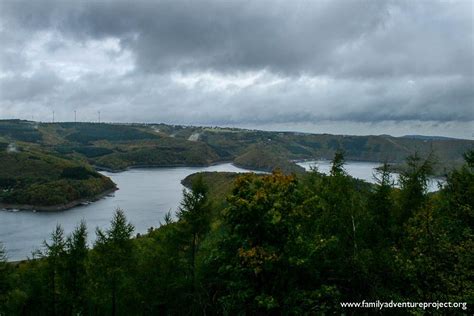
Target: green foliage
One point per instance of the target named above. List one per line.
(55, 253)
(278, 244)
(86, 133)
(175, 155)
(194, 219)
(78, 173)
(5, 283)
(382, 204)
(40, 179)
(88, 151)
(119, 146)
(112, 267)
(266, 158)
(193, 211)
(459, 192)
(337, 165)
(261, 213)
(20, 130)
(75, 272)
(413, 184)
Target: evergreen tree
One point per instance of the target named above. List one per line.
(194, 216)
(458, 193)
(337, 164)
(435, 258)
(55, 253)
(280, 245)
(5, 274)
(382, 206)
(76, 274)
(111, 267)
(413, 185)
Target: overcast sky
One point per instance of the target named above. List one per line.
(345, 67)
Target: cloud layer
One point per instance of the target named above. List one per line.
(260, 63)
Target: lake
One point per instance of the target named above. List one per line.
(361, 170)
(145, 195)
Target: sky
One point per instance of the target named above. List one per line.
(342, 67)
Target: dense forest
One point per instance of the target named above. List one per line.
(263, 245)
(117, 147)
(51, 166)
(33, 178)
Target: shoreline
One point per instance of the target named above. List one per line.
(56, 208)
(106, 169)
(72, 204)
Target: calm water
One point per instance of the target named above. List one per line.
(144, 194)
(360, 170)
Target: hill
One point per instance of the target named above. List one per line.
(266, 158)
(424, 137)
(116, 147)
(31, 179)
(265, 244)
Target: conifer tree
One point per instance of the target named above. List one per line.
(55, 252)
(112, 266)
(414, 184)
(194, 215)
(4, 280)
(381, 204)
(76, 274)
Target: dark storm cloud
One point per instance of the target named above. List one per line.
(357, 38)
(19, 88)
(361, 61)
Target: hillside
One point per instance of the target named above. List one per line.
(31, 179)
(285, 244)
(219, 186)
(116, 147)
(266, 158)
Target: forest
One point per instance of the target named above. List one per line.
(36, 179)
(268, 244)
(116, 147)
